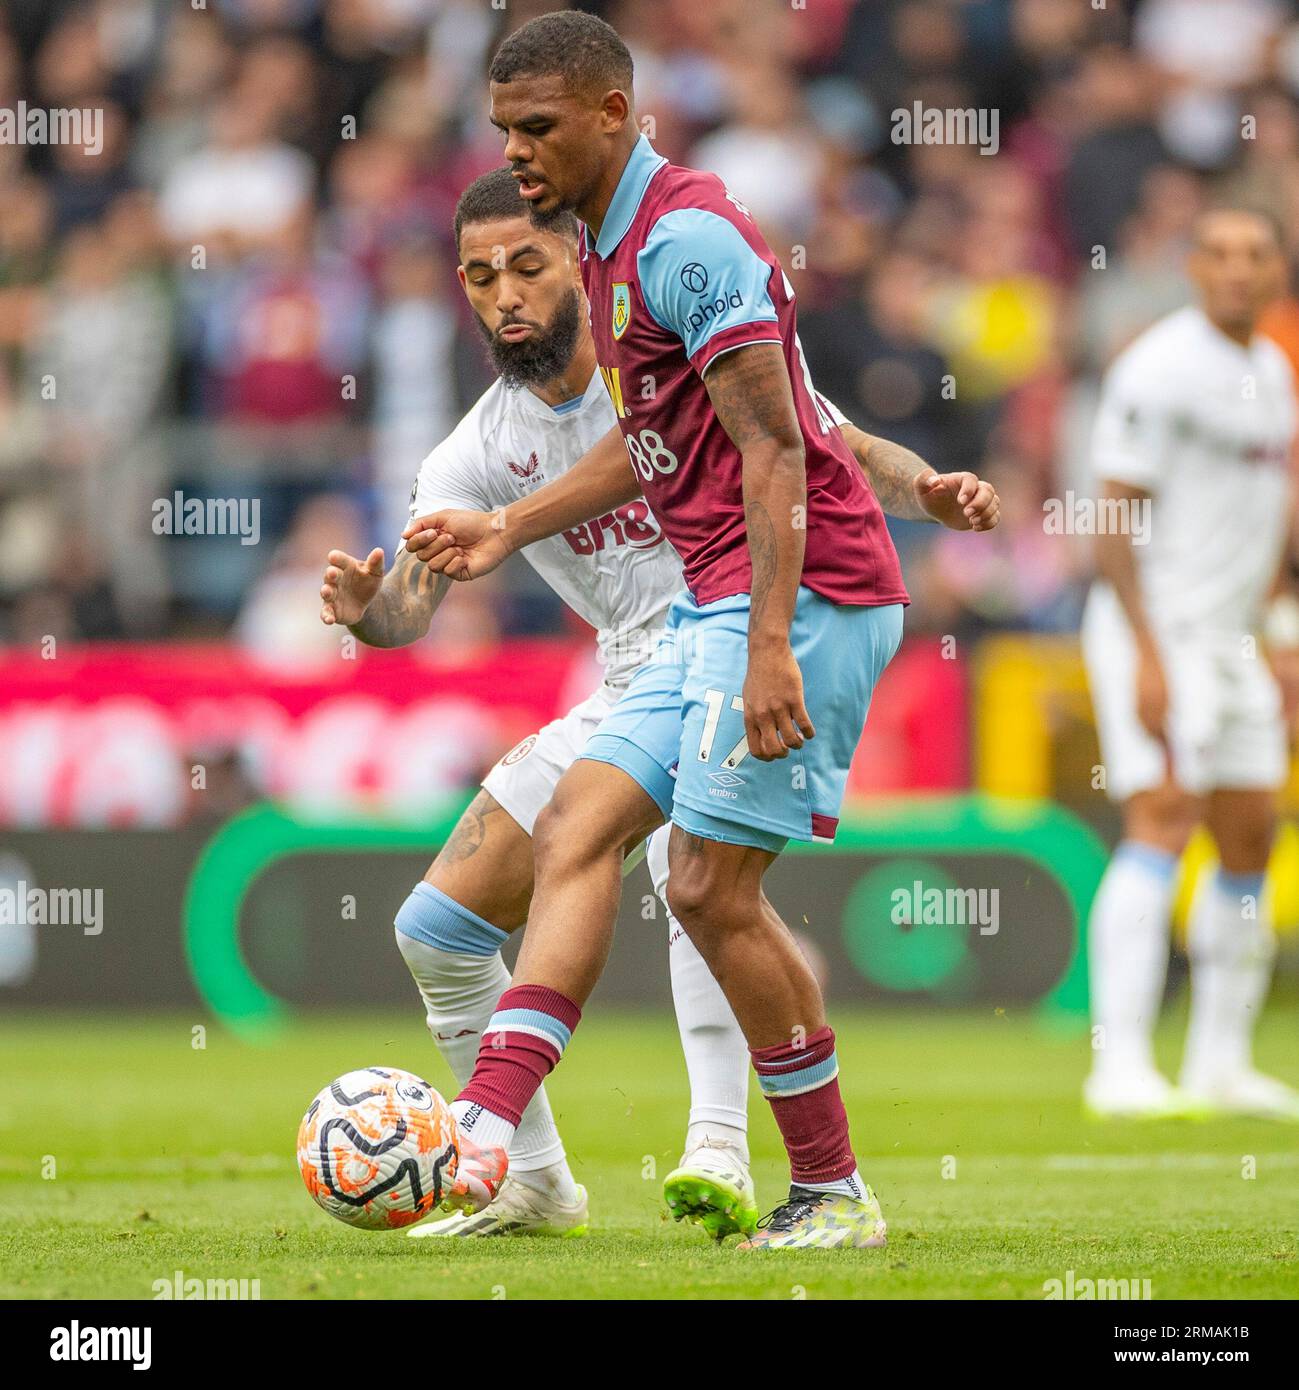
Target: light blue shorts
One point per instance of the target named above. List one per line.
(678, 730)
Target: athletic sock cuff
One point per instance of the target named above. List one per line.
(521, 1046)
(1238, 885)
(537, 1010)
(793, 1068)
(437, 920)
(1149, 857)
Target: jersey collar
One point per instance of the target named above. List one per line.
(642, 164)
(534, 405)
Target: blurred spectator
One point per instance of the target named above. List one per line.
(98, 361)
(249, 290)
(280, 620)
(1114, 96)
(874, 357)
(237, 193)
(412, 347)
(769, 150)
(285, 341)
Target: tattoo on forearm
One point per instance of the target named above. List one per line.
(762, 555)
(751, 394)
(403, 608)
(892, 471)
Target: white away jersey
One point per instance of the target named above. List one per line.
(617, 572)
(1206, 427)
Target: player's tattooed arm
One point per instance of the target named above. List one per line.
(751, 395)
(466, 545)
(750, 392)
(908, 487)
(390, 610)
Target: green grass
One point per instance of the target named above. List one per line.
(170, 1158)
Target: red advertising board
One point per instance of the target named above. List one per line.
(138, 735)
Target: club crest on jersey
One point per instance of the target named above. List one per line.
(524, 470)
(621, 308)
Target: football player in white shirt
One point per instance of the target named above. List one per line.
(548, 407)
(1192, 452)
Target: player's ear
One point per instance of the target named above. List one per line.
(614, 111)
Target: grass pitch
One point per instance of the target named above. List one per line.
(166, 1158)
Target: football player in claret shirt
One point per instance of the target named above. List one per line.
(538, 418)
(741, 728)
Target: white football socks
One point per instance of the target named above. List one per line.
(717, 1056)
(460, 994)
(486, 1128)
(852, 1186)
(1128, 936)
(1232, 947)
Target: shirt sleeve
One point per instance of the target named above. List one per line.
(703, 282)
(1135, 425)
(448, 478)
(833, 411)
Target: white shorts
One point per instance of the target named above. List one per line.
(524, 779)
(1225, 725)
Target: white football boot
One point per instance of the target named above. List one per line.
(712, 1188)
(1245, 1092)
(518, 1210)
(1137, 1093)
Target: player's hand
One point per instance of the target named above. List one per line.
(350, 586)
(460, 544)
(775, 718)
(959, 501)
(1152, 693)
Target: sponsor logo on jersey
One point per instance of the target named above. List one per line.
(696, 318)
(632, 525)
(694, 277)
(621, 308)
(524, 470)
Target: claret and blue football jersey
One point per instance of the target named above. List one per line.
(679, 275)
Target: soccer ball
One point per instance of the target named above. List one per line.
(377, 1148)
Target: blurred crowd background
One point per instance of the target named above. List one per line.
(250, 291)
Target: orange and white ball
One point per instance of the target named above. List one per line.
(377, 1148)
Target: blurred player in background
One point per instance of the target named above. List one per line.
(1192, 452)
(617, 572)
(790, 574)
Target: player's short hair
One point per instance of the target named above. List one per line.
(493, 197)
(585, 51)
(1260, 214)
